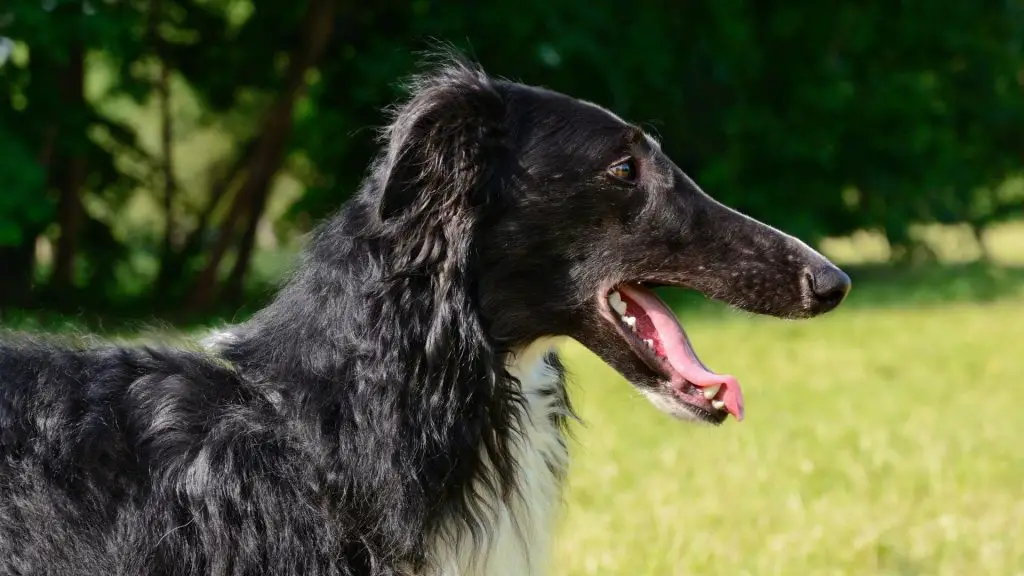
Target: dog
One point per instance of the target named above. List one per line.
(399, 408)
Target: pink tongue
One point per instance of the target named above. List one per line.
(676, 347)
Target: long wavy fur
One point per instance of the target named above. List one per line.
(359, 417)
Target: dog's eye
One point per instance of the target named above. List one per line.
(624, 170)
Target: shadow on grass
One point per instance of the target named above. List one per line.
(975, 282)
(873, 286)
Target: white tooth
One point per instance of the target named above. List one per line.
(631, 321)
(718, 404)
(615, 300)
(650, 344)
(712, 391)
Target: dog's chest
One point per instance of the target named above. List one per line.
(520, 534)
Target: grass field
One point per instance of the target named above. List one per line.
(885, 438)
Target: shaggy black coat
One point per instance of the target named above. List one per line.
(337, 431)
(368, 412)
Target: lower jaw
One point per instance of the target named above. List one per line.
(679, 395)
(686, 393)
(708, 414)
(673, 403)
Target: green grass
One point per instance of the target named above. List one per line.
(877, 441)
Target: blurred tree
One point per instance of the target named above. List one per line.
(268, 153)
(46, 112)
(820, 119)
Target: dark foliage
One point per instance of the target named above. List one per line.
(821, 121)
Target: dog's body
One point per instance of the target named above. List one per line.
(398, 409)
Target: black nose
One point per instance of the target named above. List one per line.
(828, 285)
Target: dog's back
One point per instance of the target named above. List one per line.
(120, 460)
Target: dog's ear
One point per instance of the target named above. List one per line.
(444, 143)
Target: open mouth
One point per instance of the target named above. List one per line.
(654, 334)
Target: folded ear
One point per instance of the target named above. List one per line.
(445, 142)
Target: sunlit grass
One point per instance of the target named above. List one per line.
(876, 442)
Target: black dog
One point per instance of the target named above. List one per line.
(398, 409)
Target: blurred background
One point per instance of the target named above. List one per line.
(160, 161)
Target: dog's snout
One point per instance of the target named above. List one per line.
(828, 286)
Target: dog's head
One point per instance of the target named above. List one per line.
(569, 216)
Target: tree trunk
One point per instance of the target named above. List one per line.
(69, 207)
(167, 143)
(235, 284)
(18, 264)
(162, 86)
(978, 231)
(270, 146)
(202, 293)
(172, 268)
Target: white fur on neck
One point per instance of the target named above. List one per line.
(520, 534)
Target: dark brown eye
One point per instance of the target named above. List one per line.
(624, 170)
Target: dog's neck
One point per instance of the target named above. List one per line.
(519, 536)
(410, 397)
